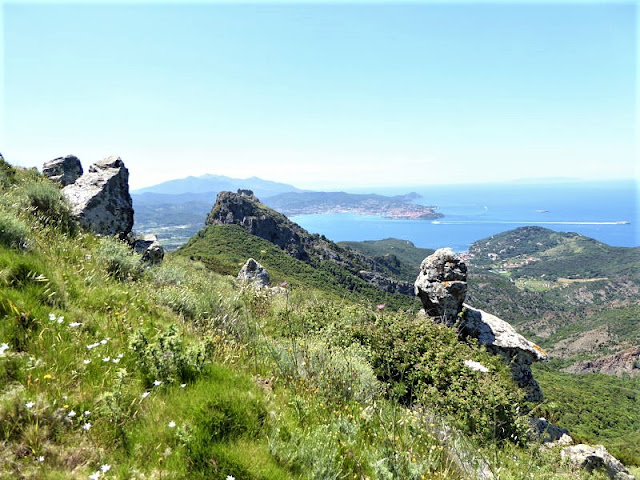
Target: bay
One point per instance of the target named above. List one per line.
(473, 212)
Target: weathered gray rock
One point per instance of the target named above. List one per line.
(150, 248)
(546, 432)
(502, 339)
(254, 273)
(442, 285)
(100, 198)
(596, 458)
(63, 170)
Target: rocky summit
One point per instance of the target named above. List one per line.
(63, 170)
(100, 198)
(442, 285)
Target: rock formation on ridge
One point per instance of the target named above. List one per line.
(244, 209)
(442, 285)
(254, 273)
(100, 199)
(596, 458)
(150, 248)
(63, 170)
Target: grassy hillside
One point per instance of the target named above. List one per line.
(402, 256)
(113, 369)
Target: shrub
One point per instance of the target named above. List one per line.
(121, 262)
(14, 233)
(166, 358)
(48, 204)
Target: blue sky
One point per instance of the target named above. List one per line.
(325, 95)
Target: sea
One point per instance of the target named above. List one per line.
(606, 211)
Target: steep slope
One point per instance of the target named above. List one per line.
(245, 210)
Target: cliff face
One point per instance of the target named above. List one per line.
(244, 209)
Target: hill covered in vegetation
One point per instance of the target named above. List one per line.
(112, 368)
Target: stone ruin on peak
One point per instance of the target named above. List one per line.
(442, 286)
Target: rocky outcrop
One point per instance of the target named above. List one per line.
(63, 170)
(254, 273)
(596, 458)
(150, 248)
(442, 285)
(546, 432)
(244, 209)
(100, 198)
(625, 362)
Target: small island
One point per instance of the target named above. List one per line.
(401, 207)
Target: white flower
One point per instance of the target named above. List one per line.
(106, 359)
(93, 345)
(86, 362)
(3, 348)
(120, 355)
(86, 426)
(52, 317)
(182, 385)
(116, 360)
(74, 324)
(104, 341)
(145, 394)
(41, 458)
(71, 414)
(86, 413)
(157, 382)
(105, 468)
(29, 404)
(476, 366)
(172, 424)
(94, 476)
(230, 477)
(60, 319)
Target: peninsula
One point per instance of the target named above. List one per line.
(400, 207)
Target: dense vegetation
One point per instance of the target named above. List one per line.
(113, 369)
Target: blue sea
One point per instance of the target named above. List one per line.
(473, 212)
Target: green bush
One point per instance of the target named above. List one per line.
(7, 173)
(121, 262)
(14, 233)
(166, 358)
(48, 204)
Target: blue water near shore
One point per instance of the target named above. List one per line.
(473, 212)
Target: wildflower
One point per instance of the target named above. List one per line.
(94, 476)
(476, 366)
(93, 345)
(105, 468)
(157, 382)
(116, 360)
(71, 414)
(47, 376)
(86, 426)
(41, 458)
(172, 424)
(4, 347)
(86, 413)
(106, 359)
(104, 341)
(86, 362)
(382, 306)
(284, 284)
(29, 404)
(120, 355)
(74, 324)
(145, 394)
(52, 317)
(60, 319)
(230, 477)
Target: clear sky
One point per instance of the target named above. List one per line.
(325, 95)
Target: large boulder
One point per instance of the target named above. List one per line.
(150, 248)
(63, 170)
(253, 273)
(442, 285)
(100, 198)
(596, 458)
